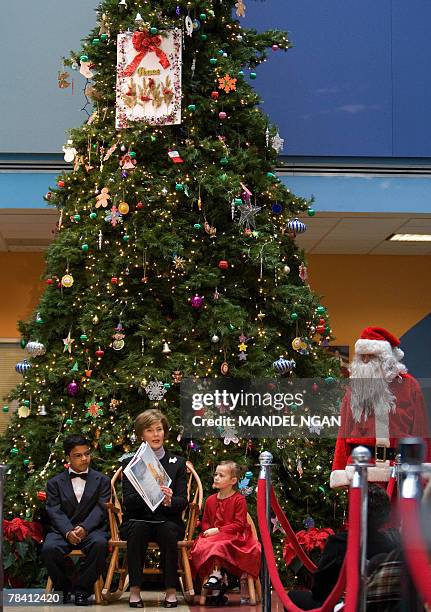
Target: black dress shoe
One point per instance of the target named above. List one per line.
(81, 599)
(136, 604)
(213, 583)
(170, 604)
(67, 597)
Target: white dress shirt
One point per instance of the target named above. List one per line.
(78, 484)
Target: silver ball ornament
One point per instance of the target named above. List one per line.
(286, 269)
(215, 339)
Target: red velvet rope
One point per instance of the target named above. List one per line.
(391, 489)
(290, 534)
(415, 548)
(353, 551)
(332, 598)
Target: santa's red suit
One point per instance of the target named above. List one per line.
(407, 418)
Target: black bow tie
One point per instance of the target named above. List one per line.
(75, 475)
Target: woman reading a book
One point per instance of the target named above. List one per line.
(164, 525)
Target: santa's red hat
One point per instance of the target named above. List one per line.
(378, 341)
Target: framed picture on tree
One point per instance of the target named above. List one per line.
(148, 78)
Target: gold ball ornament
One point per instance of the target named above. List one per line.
(67, 280)
(23, 412)
(123, 208)
(117, 345)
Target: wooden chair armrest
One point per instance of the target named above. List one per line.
(112, 507)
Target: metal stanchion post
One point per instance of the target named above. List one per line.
(412, 457)
(397, 470)
(2, 474)
(361, 456)
(265, 460)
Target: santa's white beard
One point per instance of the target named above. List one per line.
(370, 391)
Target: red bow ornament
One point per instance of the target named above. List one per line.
(144, 43)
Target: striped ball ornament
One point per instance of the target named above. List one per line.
(23, 366)
(296, 226)
(35, 348)
(283, 365)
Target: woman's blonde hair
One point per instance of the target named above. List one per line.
(148, 418)
(235, 469)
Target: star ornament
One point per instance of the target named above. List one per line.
(68, 341)
(178, 262)
(248, 213)
(276, 525)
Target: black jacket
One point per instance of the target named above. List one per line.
(136, 508)
(63, 508)
(328, 570)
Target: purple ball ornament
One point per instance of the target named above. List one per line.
(197, 301)
(73, 388)
(124, 174)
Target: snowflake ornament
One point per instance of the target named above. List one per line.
(227, 83)
(277, 143)
(155, 390)
(94, 409)
(114, 216)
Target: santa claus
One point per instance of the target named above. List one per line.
(382, 405)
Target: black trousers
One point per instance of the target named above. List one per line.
(95, 548)
(166, 534)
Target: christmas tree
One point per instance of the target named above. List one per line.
(174, 257)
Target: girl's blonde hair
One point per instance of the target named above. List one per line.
(148, 418)
(235, 469)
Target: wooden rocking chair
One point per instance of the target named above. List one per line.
(254, 586)
(190, 518)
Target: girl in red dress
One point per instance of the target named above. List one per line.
(226, 540)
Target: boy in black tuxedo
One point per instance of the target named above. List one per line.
(76, 509)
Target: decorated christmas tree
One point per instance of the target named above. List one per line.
(175, 256)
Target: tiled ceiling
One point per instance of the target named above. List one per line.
(327, 233)
(26, 229)
(364, 233)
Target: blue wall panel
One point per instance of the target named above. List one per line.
(333, 94)
(355, 84)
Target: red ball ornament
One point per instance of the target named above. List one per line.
(100, 352)
(275, 47)
(320, 329)
(223, 264)
(222, 115)
(41, 495)
(114, 280)
(61, 183)
(139, 205)
(215, 95)
(49, 281)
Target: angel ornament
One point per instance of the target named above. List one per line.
(127, 163)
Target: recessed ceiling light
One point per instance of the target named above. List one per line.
(410, 238)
